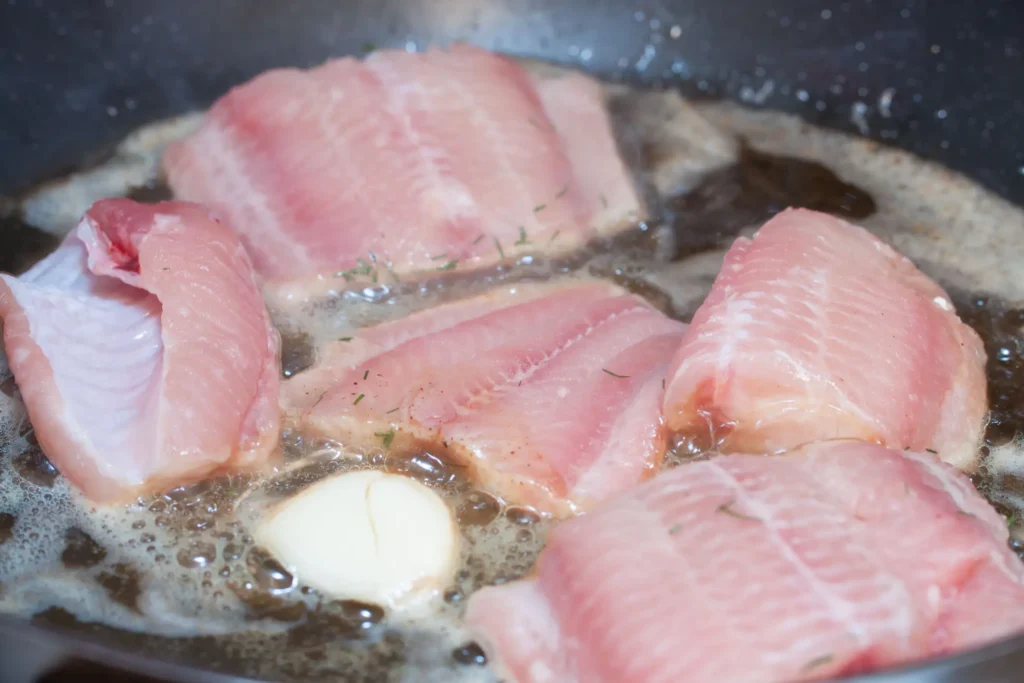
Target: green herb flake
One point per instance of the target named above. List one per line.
(373, 278)
(501, 252)
(675, 529)
(450, 265)
(478, 239)
(818, 661)
(539, 208)
(366, 374)
(727, 509)
(554, 235)
(368, 47)
(932, 451)
(359, 398)
(393, 410)
(386, 437)
(613, 374)
(561, 193)
(345, 339)
(1012, 519)
(522, 237)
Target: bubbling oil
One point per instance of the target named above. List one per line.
(179, 576)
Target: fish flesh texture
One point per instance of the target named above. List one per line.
(843, 557)
(549, 394)
(816, 329)
(405, 163)
(143, 350)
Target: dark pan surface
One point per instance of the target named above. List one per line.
(75, 77)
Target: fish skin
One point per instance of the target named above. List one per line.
(405, 157)
(143, 351)
(816, 329)
(537, 390)
(841, 558)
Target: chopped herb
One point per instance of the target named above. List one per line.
(393, 410)
(439, 257)
(358, 399)
(555, 234)
(522, 237)
(606, 370)
(539, 208)
(450, 265)
(387, 437)
(501, 252)
(477, 240)
(345, 339)
(363, 269)
(675, 529)
(1012, 519)
(932, 451)
(818, 661)
(561, 193)
(366, 374)
(727, 509)
(369, 47)
(604, 200)
(373, 278)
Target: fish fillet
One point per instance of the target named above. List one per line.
(841, 558)
(143, 350)
(550, 393)
(404, 163)
(815, 329)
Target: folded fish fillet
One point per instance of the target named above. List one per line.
(816, 329)
(550, 393)
(842, 557)
(143, 350)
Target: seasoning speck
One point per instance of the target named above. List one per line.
(358, 399)
(727, 509)
(613, 374)
(818, 661)
(386, 437)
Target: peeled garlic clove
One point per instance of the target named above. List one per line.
(366, 535)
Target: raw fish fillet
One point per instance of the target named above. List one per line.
(549, 393)
(815, 329)
(841, 558)
(404, 163)
(143, 350)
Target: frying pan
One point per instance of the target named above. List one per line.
(945, 81)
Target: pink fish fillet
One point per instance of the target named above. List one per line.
(815, 329)
(403, 163)
(842, 558)
(143, 350)
(550, 393)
